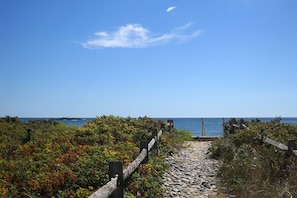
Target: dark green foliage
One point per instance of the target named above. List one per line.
(68, 161)
(252, 168)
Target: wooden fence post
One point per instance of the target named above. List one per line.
(116, 168)
(155, 135)
(291, 145)
(203, 128)
(170, 124)
(144, 145)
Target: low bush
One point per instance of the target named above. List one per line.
(252, 168)
(55, 160)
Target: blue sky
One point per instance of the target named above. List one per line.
(169, 58)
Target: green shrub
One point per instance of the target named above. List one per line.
(252, 168)
(69, 161)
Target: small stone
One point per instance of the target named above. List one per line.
(205, 184)
(175, 189)
(192, 173)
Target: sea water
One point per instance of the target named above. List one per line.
(213, 126)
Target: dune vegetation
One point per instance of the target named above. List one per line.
(253, 168)
(45, 158)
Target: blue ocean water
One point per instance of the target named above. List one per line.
(213, 126)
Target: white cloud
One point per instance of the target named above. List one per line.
(184, 27)
(136, 36)
(170, 9)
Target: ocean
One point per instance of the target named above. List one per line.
(213, 126)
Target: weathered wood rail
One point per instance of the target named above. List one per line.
(206, 138)
(291, 148)
(117, 176)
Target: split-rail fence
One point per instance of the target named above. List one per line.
(291, 148)
(114, 188)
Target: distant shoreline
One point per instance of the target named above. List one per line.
(66, 118)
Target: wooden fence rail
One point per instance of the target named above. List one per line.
(114, 188)
(291, 148)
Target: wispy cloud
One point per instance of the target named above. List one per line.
(170, 9)
(136, 36)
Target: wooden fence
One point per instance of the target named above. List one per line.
(203, 136)
(291, 148)
(114, 188)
